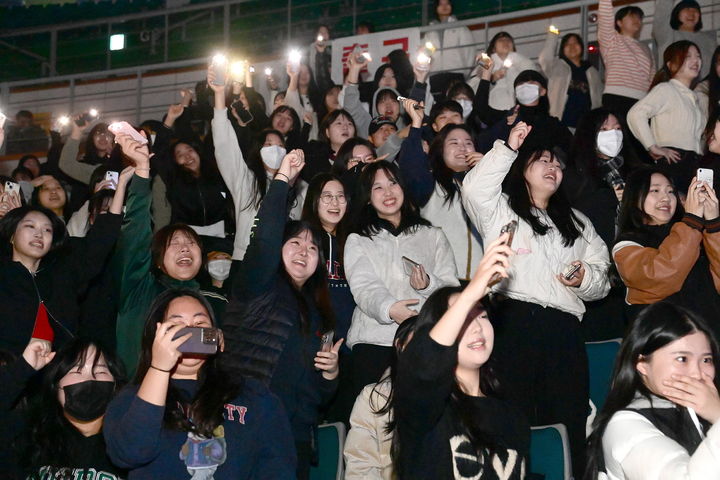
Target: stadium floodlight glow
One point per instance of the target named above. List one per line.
(117, 41)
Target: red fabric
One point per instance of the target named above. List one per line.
(42, 329)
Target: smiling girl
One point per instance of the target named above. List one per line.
(672, 109)
(665, 251)
(660, 418)
(387, 287)
(542, 363)
(280, 310)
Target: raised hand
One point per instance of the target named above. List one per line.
(38, 353)
(495, 261)
(136, 151)
(518, 134)
(291, 166)
(415, 115)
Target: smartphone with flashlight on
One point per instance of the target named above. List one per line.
(87, 117)
(219, 67)
(3, 117)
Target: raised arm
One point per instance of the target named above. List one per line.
(548, 55)
(606, 32)
(413, 161)
(482, 186)
(264, 252)
(229, 157)
(82, 172)
(426, 367)
(662, 32)
(352, 96)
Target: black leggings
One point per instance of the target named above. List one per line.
(542, 368)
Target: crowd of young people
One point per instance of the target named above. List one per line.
(425, 270)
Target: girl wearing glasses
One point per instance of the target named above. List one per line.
(325, 207)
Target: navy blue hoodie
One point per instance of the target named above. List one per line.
(259, 442)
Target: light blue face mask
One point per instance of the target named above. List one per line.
(272, 156)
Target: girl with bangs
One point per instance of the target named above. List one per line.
(151, 264)
(394, 260)
(281, 308)
(561, 262)
(448, 421)
(667, 250)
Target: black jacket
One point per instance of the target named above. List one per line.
(60, 281)
(264, 334)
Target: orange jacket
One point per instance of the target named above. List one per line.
(653, 274)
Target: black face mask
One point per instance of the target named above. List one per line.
(88, 400)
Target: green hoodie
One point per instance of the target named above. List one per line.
(139, 286)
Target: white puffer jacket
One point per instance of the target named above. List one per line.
(539, 257)
(374, 271)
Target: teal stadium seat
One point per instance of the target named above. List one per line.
(601, 361)
(550, 452)
(331, 442)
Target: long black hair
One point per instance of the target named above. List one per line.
(365, 220)
(403, 335)
(583, 155)
(436, 156)
(432, 311)
(9, 224)
(208, 165)
(216, 385)
(632, 218)
(657, 325)
(51, 432)
(558, 209)
(67, 208)
(316, 286)
(310, 208)
(314, 94)
(92, 156)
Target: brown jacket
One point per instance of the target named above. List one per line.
(653, 274)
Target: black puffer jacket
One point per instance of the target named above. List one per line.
(59, 282)
(264, 333)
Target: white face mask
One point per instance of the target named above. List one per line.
(610, 142)
(466, 106)
(527, 93)
(272, 156)
(219, 269)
